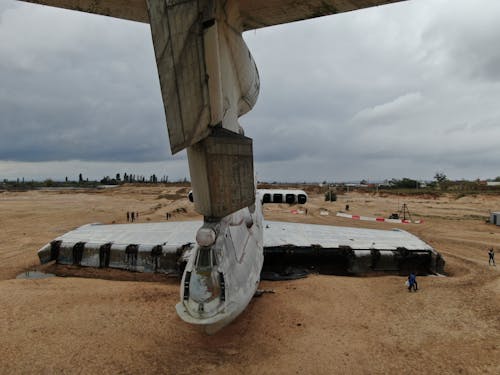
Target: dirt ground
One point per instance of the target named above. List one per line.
(318, 325)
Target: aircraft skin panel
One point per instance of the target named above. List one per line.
(254, 13)
(278, 234)
(263, 13)
(133, 10)
(207, 74)
(178, 43)
(173, 233)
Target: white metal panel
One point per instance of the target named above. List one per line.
(254, 13)
(305, 235)
(178, 43)
(176, 234)
(170, 233)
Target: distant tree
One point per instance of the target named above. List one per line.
(106, 180)
(442, 181)
(497, 179)
(405, 183)
(118, 178)
(80, 178)
(440, 177)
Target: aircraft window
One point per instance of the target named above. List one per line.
(204, 255)
(302, 198)
(266, 198)
(278, 198)
(290, 198)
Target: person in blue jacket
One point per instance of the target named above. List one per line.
(412, 282)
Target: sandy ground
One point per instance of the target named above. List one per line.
(318, 325)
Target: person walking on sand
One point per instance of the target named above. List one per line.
(491, 255)
(412, 282)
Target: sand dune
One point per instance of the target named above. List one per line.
(117, 324)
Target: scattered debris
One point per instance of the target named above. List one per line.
(260, 292)
(391, 219)
(290, 273)
(34, 275)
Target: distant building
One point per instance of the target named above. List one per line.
(493, 183)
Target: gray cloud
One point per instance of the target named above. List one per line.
(399, 90)
(78, 87)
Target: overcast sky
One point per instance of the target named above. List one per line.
(403, 90)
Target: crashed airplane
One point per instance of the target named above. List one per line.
(222, 268)
(209, 79)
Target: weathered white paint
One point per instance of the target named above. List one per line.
(238, 255)
(176, 234)
(327, 236)
(254, 13)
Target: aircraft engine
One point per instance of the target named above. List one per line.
(283, 196)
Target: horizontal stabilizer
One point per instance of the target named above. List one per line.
(254, 13)
(133, 10)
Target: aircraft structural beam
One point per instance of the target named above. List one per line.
(222, 176)
(208, 79)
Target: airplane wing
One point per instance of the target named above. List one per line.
(345, 250)
(283, 234)
(162, 247)
(255, 13)
(148, 247)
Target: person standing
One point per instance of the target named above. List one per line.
(128, 216)
(491, 257)
(133, 216)
(412, 282)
